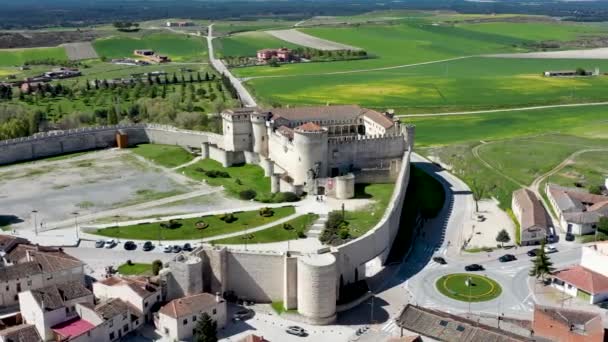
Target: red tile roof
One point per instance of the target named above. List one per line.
(584, 279)
(310, 127)
(73, 328)
(533, 212)
(188, 305)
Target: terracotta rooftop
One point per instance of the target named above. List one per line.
(114, 307)
(286, 131)
(188, 305)
(55, 261)
(442, 326)
(584, 279)
(19, 271)
(567, 317)
(21, 333)
(53, 297)
(7, 242)
(533, 212)
(253, 338)
(73, 328)
(139, 285)
(310, 127)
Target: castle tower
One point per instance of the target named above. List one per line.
(310, 142)
(236, 127)
(410, 134)
(316, 288)
(184, 276)
(259, 133)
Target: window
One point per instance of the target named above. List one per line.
(460, 328)
(18, 287)
(67, 310)
(125, 328)
(16, 297)
(124, 316)
(145, 304)
(158, 297)
(111, 335)
(214, 311)
(185, 321)
(29, 283)
(166, 331)
(443, 323)
(111, 323)
(193, 318)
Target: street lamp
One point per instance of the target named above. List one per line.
(35, 223)
(76, 223)
(116, 217)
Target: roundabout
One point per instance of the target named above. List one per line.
(468, 287)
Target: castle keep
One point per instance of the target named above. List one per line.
(319, 150)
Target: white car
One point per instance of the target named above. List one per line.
(111, 243)
(168, 249)
(550, 249)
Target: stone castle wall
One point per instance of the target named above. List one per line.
(366, 151)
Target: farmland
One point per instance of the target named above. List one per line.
(13, 57)
(177, 47)
(247, 44)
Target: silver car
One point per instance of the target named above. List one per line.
(296, 330)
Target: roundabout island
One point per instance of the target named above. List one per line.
(468, 287)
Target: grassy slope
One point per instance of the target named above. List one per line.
(150, 231)
(165, 155)
(19, 56)
(362, 221)
(536, 31)
(177, 47)
(274, 234)
(248, 43)
(588, 169)
(251, 176)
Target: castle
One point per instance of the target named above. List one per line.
(320, 150)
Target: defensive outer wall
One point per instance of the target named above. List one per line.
(310, 283)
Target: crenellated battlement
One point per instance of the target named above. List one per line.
(366, 139)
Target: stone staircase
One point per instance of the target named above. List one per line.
(317, 228)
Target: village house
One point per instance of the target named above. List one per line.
(19, 333)
(177, 319)
(151, 55)
(29, 267)
(579, 211)
(281, 54)
(531, 215)
(140, 292)
(567, 325)
(52, 305)
(179, 23)
(588, 280)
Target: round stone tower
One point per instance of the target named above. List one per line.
(317, 288)
(310, 142)
(410, 134)
(345, 186)
(259, 133)
(186, 276)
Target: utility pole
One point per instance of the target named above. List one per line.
(35, 212)
(76, 223)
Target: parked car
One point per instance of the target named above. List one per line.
(507, 258)
(243, 314)
(148, 246)
(296, 330)
(111, 243)
(473, 267)
(187, 247)
(168, 249)
(533, 252)
(550, 249)
(439, 260)
(569, 237)
(176, 248)
(99, 243)
(130, 245)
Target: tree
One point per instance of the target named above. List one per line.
(602, 225)
(541, 265)
(157, 265)
(502, 237)
(205, 329)
(595, 189)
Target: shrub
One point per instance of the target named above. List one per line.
(595, 189)
(286, 197)
(157, 265)
(334, 220)
(217, 174)
(172, 224)
(301, 234)
(238, 182)
(266, 212)
(129, 262)
(201, 225)
(287, 226)
(247, 194)
(344, 233)
(228, 218)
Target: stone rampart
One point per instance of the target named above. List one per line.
(376, 243)
(365, 151)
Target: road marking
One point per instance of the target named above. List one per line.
(389, 327)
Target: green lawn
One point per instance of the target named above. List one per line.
(274, 234)
(164, 155)
(588, 169)
(188, 230)
(135, 269)
(536, 31)
(230, 26)
(361, 221)
(248, 43)
(250, 176)
(178, 47)
(454, 286)
(13, 57)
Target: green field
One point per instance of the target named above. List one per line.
(164, 155)
(15, 57)
(135, 269)
(188, 230)
(248, 43)
(482, 289)
(536, 31)
(178, 47)
(588, 169)
(274, 234)
(226, 27)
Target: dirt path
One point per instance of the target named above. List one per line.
(475, 152)
(300, 38)
(505, 110)
(598, 53)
